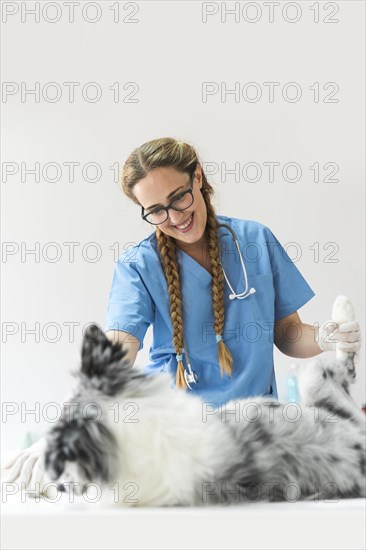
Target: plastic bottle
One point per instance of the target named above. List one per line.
(292, 389)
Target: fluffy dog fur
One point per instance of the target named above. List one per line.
(164, 447)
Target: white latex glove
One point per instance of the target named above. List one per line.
(27, 466)
(342, 333)
(344, 337)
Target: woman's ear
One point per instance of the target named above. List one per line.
(199, 175)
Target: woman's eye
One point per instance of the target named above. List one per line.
(158, 210)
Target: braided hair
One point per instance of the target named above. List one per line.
(181, 156)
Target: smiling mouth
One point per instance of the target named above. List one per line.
(183, 223)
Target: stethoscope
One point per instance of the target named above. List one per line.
(190, 376)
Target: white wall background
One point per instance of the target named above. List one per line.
(169, 52)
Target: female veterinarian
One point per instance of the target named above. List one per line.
(217, 305)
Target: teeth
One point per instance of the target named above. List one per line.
(185, 225)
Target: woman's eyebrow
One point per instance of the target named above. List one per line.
(168, 197)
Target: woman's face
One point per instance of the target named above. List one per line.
(153, 190)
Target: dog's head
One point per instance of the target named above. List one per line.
(80, 445)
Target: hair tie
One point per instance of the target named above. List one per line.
(218, 338)
(179, 357)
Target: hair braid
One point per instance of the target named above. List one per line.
(225, 357)
(166, 248)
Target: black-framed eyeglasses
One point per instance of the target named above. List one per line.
(183, 200)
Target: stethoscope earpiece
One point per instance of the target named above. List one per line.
(243, 295)
(233, 294)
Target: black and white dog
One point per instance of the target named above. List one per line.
(165, 447)
(143, 442)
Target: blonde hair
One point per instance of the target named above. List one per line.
(181, 156)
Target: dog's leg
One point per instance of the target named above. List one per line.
(325, 382)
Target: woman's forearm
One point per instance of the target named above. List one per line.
(299, 340)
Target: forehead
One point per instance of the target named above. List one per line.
(157, 184)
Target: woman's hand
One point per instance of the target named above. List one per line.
(344, 337)
(25, 469)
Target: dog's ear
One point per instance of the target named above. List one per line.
(79, 438)
(98, 352)
(103, 367)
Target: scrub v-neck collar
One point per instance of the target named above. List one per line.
(196, 268)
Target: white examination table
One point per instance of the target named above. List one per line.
(260, 525)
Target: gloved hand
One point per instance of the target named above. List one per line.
(27, 465)
(344, 337)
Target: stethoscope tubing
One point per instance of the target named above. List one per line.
(190, 376)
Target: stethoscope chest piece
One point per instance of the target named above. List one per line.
(190, 378)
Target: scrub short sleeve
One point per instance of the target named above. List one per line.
(291, 289)
(130, 308)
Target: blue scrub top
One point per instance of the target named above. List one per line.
(139, 297)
